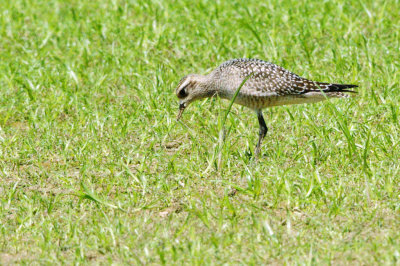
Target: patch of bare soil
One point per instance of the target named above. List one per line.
(11, 259)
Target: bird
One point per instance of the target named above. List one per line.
(265, 85)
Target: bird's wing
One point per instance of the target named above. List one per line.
(270, 79)
(267, 79)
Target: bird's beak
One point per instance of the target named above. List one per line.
(182, 107)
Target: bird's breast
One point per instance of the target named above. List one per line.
(261, 102)
(254, 102)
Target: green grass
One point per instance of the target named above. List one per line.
(95, 169)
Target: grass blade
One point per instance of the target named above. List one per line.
(222, 135)
(90, 195)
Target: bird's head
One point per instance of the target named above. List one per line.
(191, 88)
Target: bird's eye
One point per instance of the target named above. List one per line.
(182, 93)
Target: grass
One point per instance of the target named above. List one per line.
(95, 169)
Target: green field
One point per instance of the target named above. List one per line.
(95, 169)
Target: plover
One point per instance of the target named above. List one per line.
(267, 85)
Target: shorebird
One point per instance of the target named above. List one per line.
(267, 85)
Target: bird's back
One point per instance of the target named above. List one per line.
(270, 84)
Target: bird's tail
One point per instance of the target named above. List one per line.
(329, 87)
(338, 90)
(312, 88)
(322, 90)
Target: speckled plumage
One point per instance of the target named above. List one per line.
(268, 85)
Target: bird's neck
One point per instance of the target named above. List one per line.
(213, 87)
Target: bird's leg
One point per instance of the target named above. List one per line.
(262, 132)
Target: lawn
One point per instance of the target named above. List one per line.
(95, 169)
